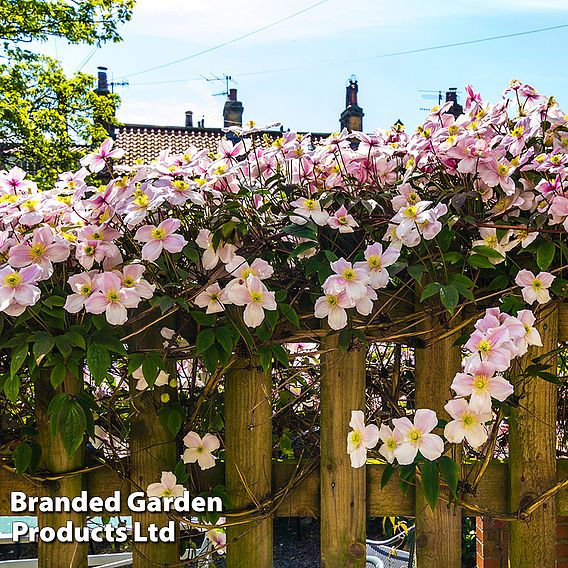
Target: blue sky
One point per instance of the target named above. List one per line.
(313, 45)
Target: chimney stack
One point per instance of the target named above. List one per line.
(233, 110)
(451, 95)
(352, 117)
(188, 119)
(102, 81)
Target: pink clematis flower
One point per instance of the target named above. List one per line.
(417, 437)
(41, 250)
(160, 238)
(18, 289)
(391, 440)
(96, 161)
(211, 257)
(199, 450)
(213, 298)
(332, 306)
(256, 297)
(112, 299)
(131, 278)
(468, 422)
(492, 346)
(482, 384)
(168, 487)
(531, 335)
(342, 221)
(14, 181)
(308, 208)
(83, 285)
(352, 281)
(360, 439)
(240, 268)
(376, 262)
(534, 288)
(218, 538)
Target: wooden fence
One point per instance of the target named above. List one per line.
(342, 497)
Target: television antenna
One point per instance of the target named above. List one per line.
(223, 79)
(428, 94)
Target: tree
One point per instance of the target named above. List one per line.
(46, 117)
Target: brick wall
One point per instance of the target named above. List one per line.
(492, 541)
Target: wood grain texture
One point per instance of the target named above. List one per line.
(248, 473)
(438, 532)
(532, 455)
(152, 451)
(343, 488)
(55, 460)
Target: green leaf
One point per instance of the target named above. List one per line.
(301, 249)
(290, 314)
(386, 475)
(450, 474)
(225, 338)
(22, 457)
(265, 356)
(98, 361)
(12, 387)
(180, 471)
(488, 252)
(205, 340)
(203, 319)
(430, 290)
(43, 344)
(449, 297)
(430, 483)
(478, 261)
(58, 374)
(72, 424)
(211, 358)
(175, 420)
(545, 255)
(76, 339)
(62, 343)
(452, 257)
(345, 337)
(500, 282)
(281, 354)
(18, 357)
(416, 271)
(307, 231)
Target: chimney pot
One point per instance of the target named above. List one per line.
(232, 94)
(233, 110)
(188, 119)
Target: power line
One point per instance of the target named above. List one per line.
(372, 57)
(229, 42)
(87, 58)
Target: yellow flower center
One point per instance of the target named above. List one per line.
(37, 250)
(480, 382)
(356, 438)
(158, 234)
(13, 279)
(167, 493)
(468, 420)
(256, 297)
(128, 281)
(391, 444)
(180, 185)
(342, 220)
(112, 296)
(484, 346)
(89, 250)
(491, 241)
(536, 284)
(502, 169)
(556, 159)
(410, 212)
(349, 274)
(332, 301)
(374, 262)
(310, 204)
(518, 131)
(142, 200)
(414, 436)
(86, 289)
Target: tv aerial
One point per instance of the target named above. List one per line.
(222, 79)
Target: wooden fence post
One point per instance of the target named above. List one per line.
(55, 460)
(343, 488)
(532, 455)
(248, 470)
(152, 451)
(438, 533)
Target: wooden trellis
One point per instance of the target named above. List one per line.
(341, 496)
